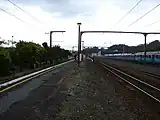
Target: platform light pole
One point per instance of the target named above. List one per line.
(79, 42)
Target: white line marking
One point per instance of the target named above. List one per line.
(31, 75)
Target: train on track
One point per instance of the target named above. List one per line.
(151, 57)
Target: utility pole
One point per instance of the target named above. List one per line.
(79, 42)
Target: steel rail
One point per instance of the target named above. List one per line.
(148, 73)
(107, 67)
(144, 72)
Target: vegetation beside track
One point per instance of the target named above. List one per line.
(121, 48)
(26, 56)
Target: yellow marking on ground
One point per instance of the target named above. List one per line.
(14, 85)
(23, 81)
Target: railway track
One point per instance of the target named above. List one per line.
(148, 73)
(144, 87)
(143, 72)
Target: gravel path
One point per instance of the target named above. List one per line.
(100, 96)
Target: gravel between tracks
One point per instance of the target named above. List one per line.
(142, 67)
(99, 96)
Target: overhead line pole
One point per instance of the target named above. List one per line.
(143, 33)
(120, 32)
(51, 36)
(145, 45)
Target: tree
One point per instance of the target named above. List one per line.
(153, 46)
(5, 62)
(45, 45)
(1, 42)
(29, 53)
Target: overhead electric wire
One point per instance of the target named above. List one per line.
(129, 11)
(1, 9)
(25, 11)
(152, 23)
(144, 15)
(13, 15)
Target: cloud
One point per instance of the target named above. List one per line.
(67, 8)
(64, 15)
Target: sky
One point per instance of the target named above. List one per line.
(41, 16)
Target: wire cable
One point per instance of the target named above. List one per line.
(18, 18)
(152, 23)
(129, 11)
(144, 15)
(13, 15)
(25, 11)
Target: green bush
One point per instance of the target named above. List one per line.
(5, 62)
(27, 55)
